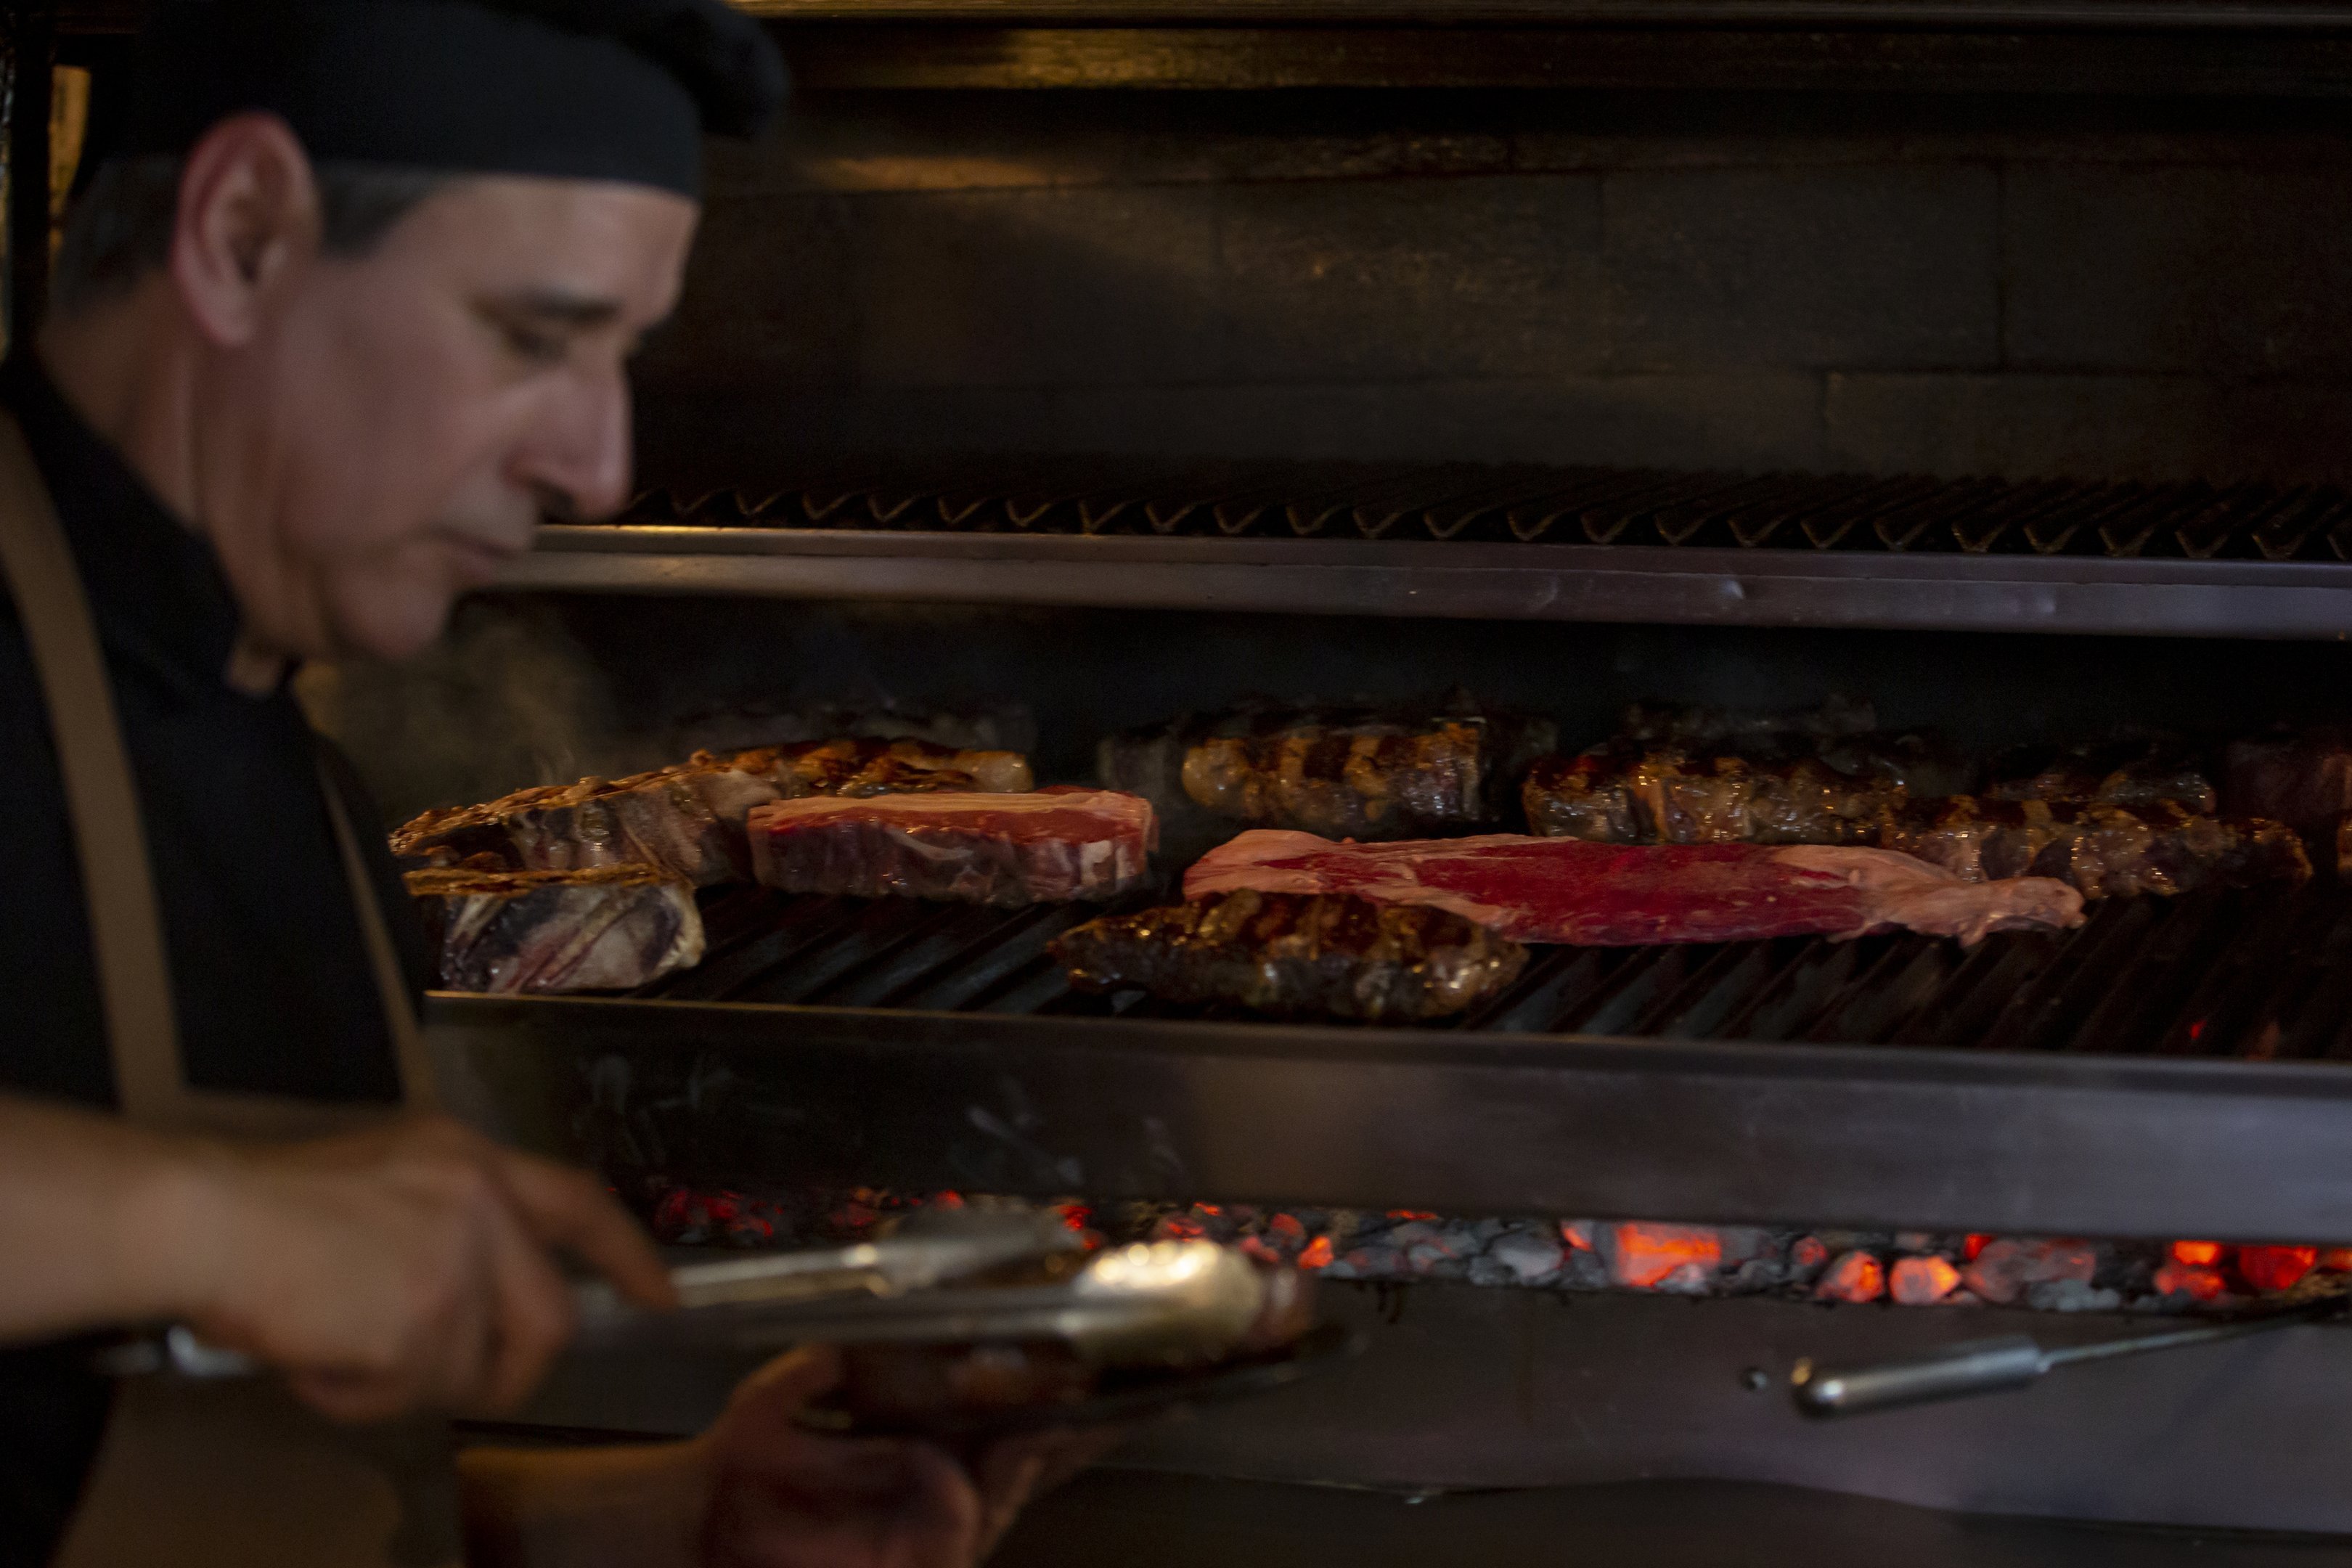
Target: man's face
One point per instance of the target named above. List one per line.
(400, 420)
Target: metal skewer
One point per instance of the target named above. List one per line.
(2012, 1361)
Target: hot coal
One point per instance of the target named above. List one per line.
(1889, 1269)
(1286, 954)
(604, 929)
(1053, 845)
(689, 818)
(1602, 895)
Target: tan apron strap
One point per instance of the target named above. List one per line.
(409, 1049)
(126, 927)
(110, 838)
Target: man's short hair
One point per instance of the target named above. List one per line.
(120, 227)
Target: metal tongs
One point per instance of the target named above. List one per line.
(1154, 1300)
(2013, 1361)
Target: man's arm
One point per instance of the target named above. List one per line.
(758, 1491)
(380, 1272)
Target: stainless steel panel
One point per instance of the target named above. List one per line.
(1630, 583)
(736, 1095)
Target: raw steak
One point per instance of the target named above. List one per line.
(1607, 895)
(1009, 849)
(607, 929)
(1284, 953)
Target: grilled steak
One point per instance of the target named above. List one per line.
(2133, 830)
(2304, 780)
(1842, 733)
(1007, 849)
(2103, 851)
(1282, 953)
(1602, 895)
(1665, 797)
(606, 929)
(2132, 771)
(689, 819)
(1360, 772)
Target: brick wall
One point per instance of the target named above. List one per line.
(1949, 284)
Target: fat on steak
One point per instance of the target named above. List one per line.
(608, 927)
(1608, 895)
(1008, 850)
(689, 818)
(1294, 954)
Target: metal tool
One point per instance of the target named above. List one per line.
(1999, 1365)
(1152, 1300)
(1165, 1300)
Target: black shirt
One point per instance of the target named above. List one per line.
(274, 985)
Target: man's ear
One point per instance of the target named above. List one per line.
(249, 222)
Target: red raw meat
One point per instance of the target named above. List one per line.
(1043, 848)
(1614, 895)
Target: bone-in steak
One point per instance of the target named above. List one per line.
(689, 819)
(609, 928)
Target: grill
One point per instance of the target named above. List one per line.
(1474, 503)
(1516, 542)
(2244, 973)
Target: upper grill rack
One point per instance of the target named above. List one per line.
(1530, 504)
(2250, 975)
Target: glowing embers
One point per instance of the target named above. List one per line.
(1911, 1268)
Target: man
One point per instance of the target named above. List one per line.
(347, 313)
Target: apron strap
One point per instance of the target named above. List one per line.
(410, 1053)
(126, 926)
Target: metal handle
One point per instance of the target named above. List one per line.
(1995, 1366)
(1953, 1371)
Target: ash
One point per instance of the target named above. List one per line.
(1913, 1268)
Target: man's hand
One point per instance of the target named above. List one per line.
(391, 1269)
(783, 1497)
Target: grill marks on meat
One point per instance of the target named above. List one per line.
(862, 767)
(2104, 851)
(689, 819)
(605, 928)
(1356, 781)
(2139, 826)
(1666, 797)
(1603, 894)
(1291, 953)
(2132, 771)
(1005, 849)
(1359, 772)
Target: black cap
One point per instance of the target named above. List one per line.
(593, 90)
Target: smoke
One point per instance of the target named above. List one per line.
(507, 698)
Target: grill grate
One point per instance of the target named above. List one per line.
(2252, 974)
(1527, 504)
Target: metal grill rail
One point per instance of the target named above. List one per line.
(2251, 974)
(1528, 504)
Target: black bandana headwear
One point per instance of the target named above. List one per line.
(589, 90)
